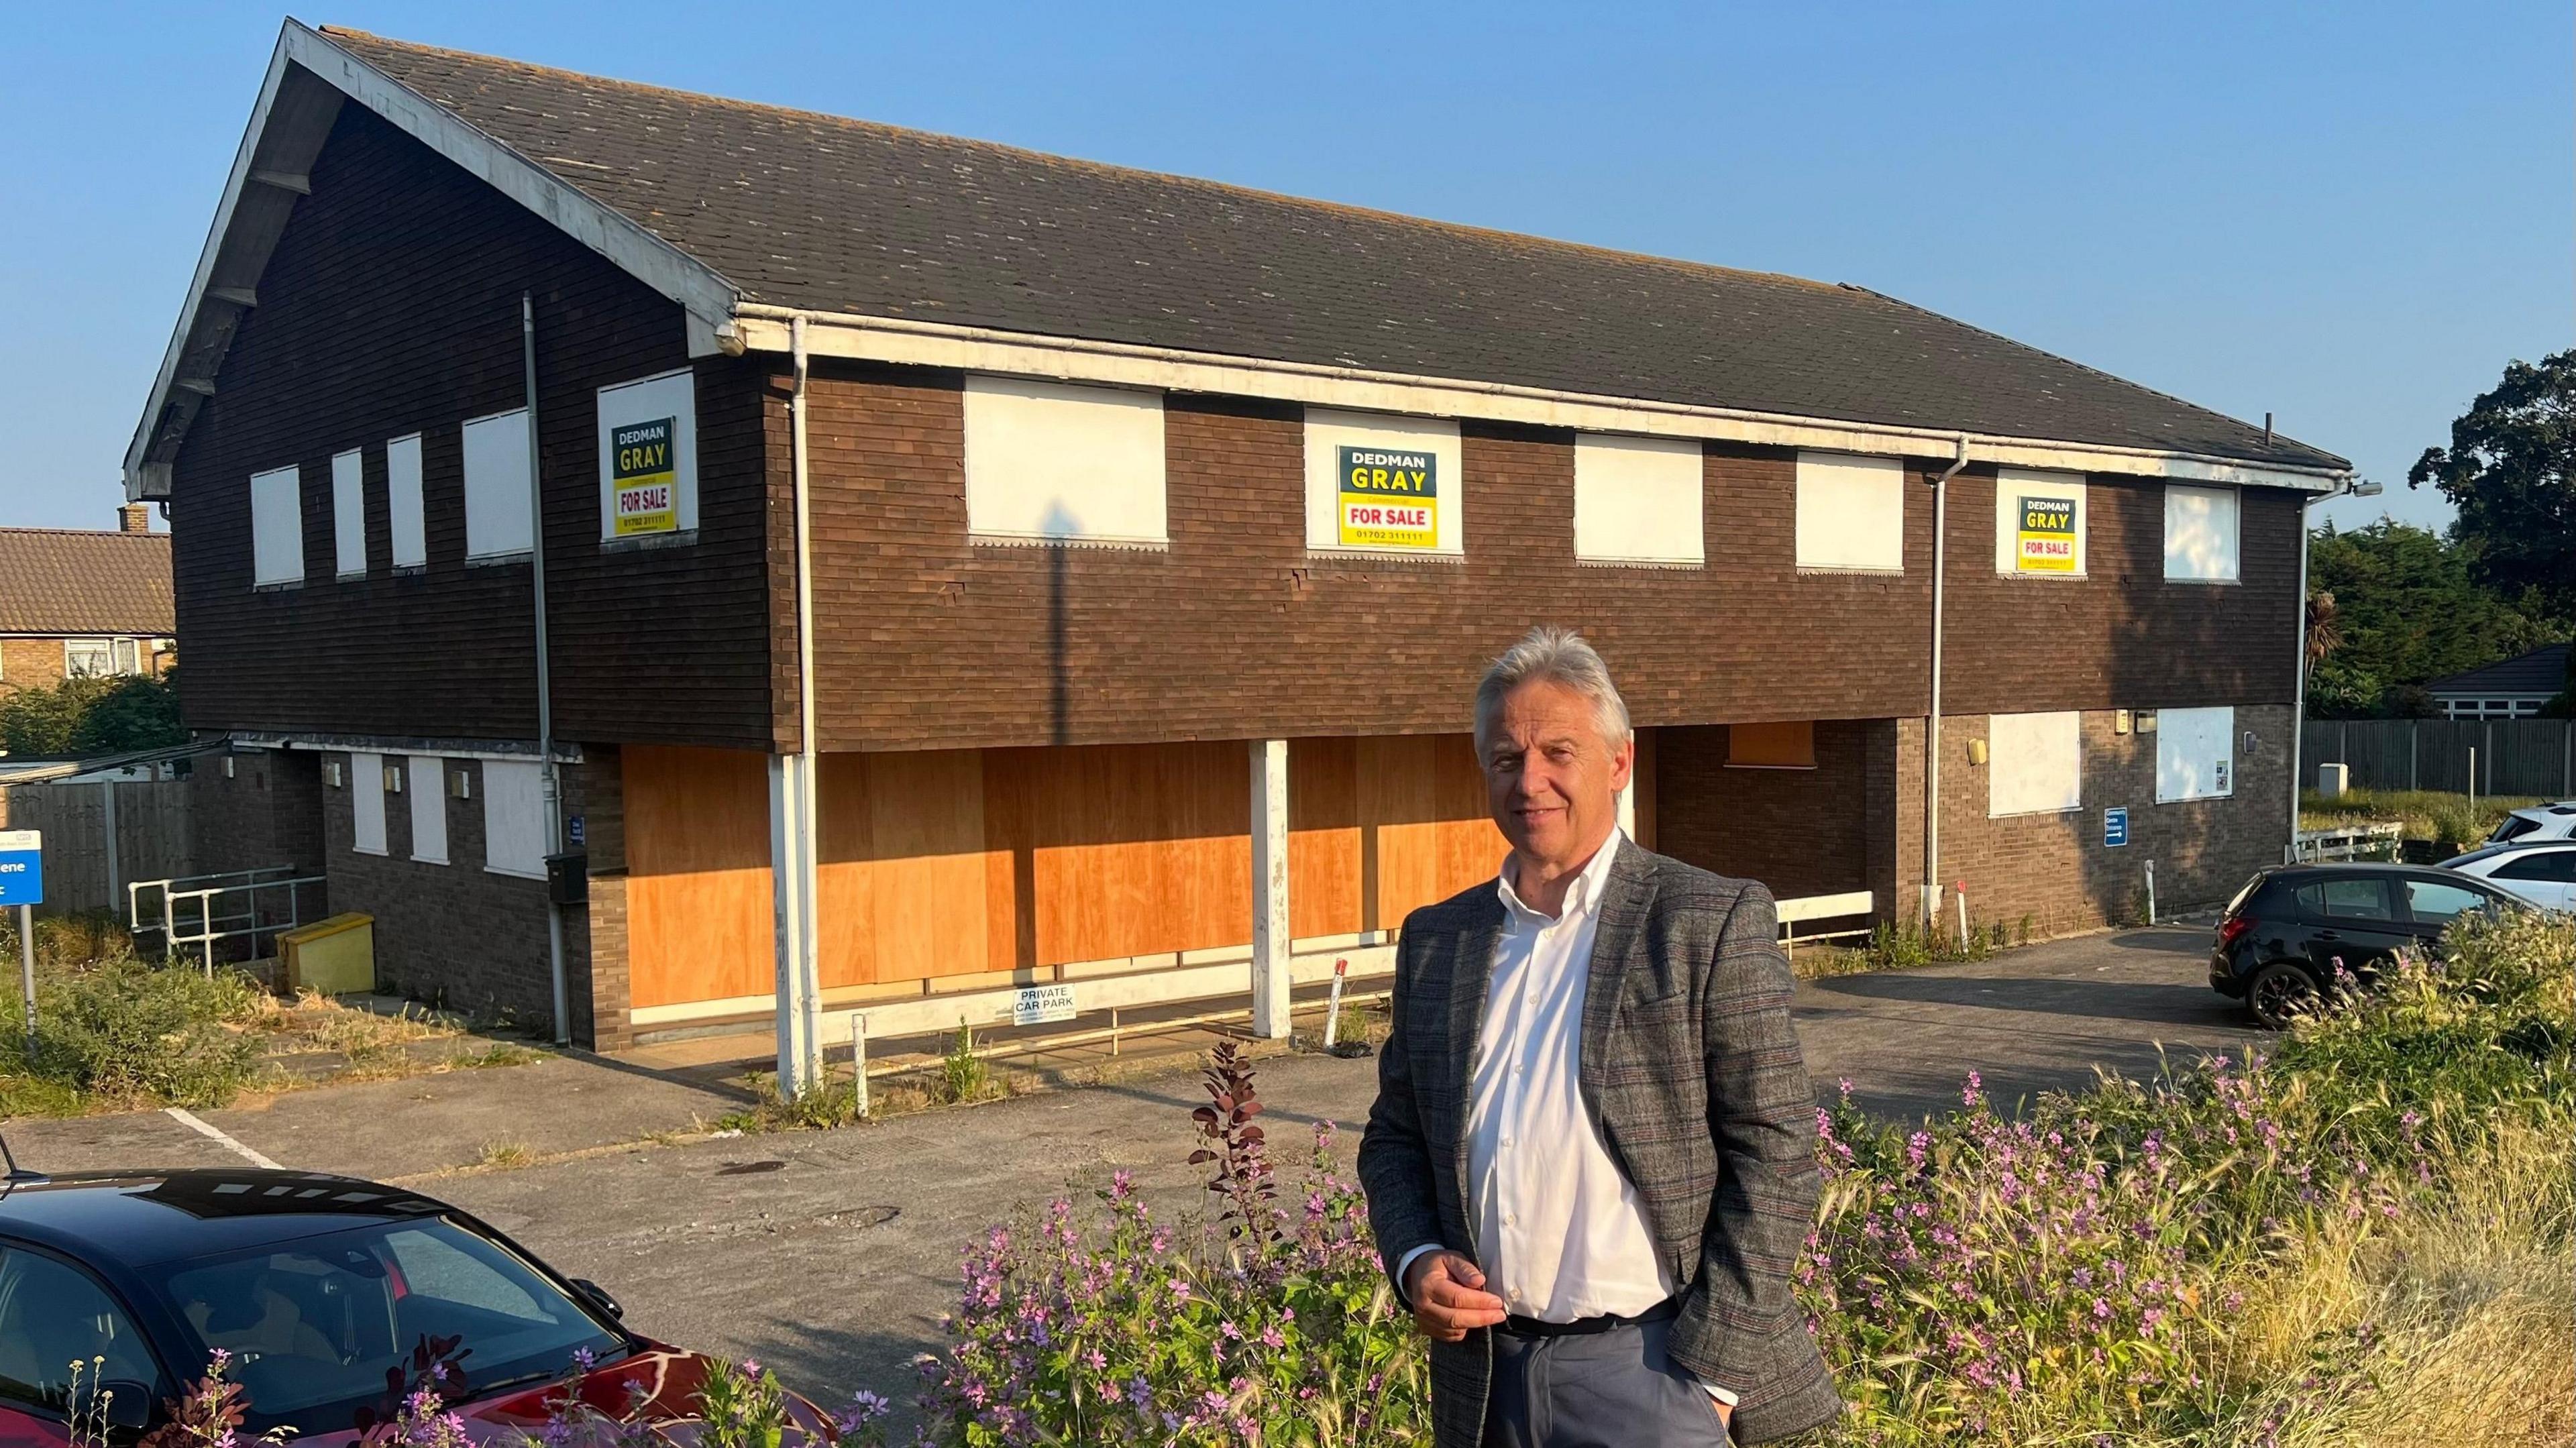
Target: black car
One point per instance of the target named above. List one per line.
(314, 1286)
(2289, 931)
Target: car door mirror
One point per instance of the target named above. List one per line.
(599, 1297)
(128, 1404)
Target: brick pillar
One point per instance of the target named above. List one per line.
(597, 970)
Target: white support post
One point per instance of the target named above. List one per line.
(1270, 888)
(791, 868)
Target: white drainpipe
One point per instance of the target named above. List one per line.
(800, 1052)
(1932, 719)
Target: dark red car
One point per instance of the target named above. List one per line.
(315, 1288)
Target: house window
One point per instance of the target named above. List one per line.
(403, 510)
(2035, 763)
(276, 528)
(514, 818)
(2040, 527)
(428, 810)
(349, 512)
(1787, 745)
(2195, 754)
(129, 656)
(1050, 462)
(367, 803)
(2200, 534)
(1851, 513)
(1637, 500)
(648, 457)
(1381, 484)
(498, 522)
(88, 658)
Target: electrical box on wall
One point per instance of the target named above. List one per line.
(2146, 721)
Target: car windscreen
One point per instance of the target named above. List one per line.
(313, 1326)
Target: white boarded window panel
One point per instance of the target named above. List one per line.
(2034, 763)
(1327, 432)
(428, 793)
(405, 517)
(367, 802)
(673, 395)
(349, 512)
(1048, 461)
(2012, 485)
(1851, 513)
(2195, 753)
(496, 486)
(2200, 533)
(514, 819)
(1637, 500)
(276, 527)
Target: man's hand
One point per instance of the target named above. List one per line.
(1448, 1298)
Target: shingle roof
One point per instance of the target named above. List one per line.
(2542, 671)
(817, 212)
(76, 581)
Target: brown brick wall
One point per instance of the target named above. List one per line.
(927, 640)
(602, 994)
(1799, 831)
(391, 306)
(30, 663)
(457, 935)
(2054, 867)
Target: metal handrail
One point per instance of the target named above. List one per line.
(201, 916)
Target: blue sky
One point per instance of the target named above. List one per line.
(2350, 216)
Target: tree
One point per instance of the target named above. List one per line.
(2407, 608)
(2511, 471)
(81, 718)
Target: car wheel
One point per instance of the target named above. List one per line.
(2281, 993)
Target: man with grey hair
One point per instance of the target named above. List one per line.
(1591, 1163)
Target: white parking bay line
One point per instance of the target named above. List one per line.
(193, 1122)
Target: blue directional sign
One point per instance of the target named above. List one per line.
(2115, 828)
(22, 867)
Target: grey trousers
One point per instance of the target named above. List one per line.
(1614, 1389)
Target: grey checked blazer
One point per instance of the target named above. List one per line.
(1692, 1072)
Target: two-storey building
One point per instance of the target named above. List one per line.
(965, 568)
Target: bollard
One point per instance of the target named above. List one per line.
(1333, 1008)
(859, 1064)
(1960, 890)
(2151, 892)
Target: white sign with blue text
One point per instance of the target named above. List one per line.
(22, 867)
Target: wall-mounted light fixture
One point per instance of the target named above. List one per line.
(331, 772)
(393, 779)
(2119, 721)
(1976, 751)
(2146, 721)
(460, 784)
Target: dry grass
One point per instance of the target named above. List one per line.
(2457, 1328)
(504, 1155)
(373, 1045)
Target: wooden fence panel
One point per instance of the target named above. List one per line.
(2514, 756)
(153, 838)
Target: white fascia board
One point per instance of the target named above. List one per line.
(706, 297)
(983, 349)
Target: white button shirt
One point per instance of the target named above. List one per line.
(1560, 1232)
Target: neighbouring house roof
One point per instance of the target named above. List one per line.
(784, 208)
(2543, 671)
(77, 581)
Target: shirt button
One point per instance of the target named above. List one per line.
(1511, 1219)
(1507, 1141)
(1516, 1068)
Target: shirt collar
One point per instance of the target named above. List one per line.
(1580, 896)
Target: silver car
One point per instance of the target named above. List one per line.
(2544, 873)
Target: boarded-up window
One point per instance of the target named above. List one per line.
(1851, 513)
(404, 514)
(1379, 446)
(2195, 753)
(514, 818)
(349, 512)
(428, 790)
(497, 507)
(2200, 533)
(648, 456)
(2040, 527)
(367, 802)
(1049, 461)
(1790, 744)
(276, 527)
(1637, 500)
(2034, 763)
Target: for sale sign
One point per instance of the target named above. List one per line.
(646, 479)
(1389, 499)
(2047, 536)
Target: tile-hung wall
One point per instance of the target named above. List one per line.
(1001, 562)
